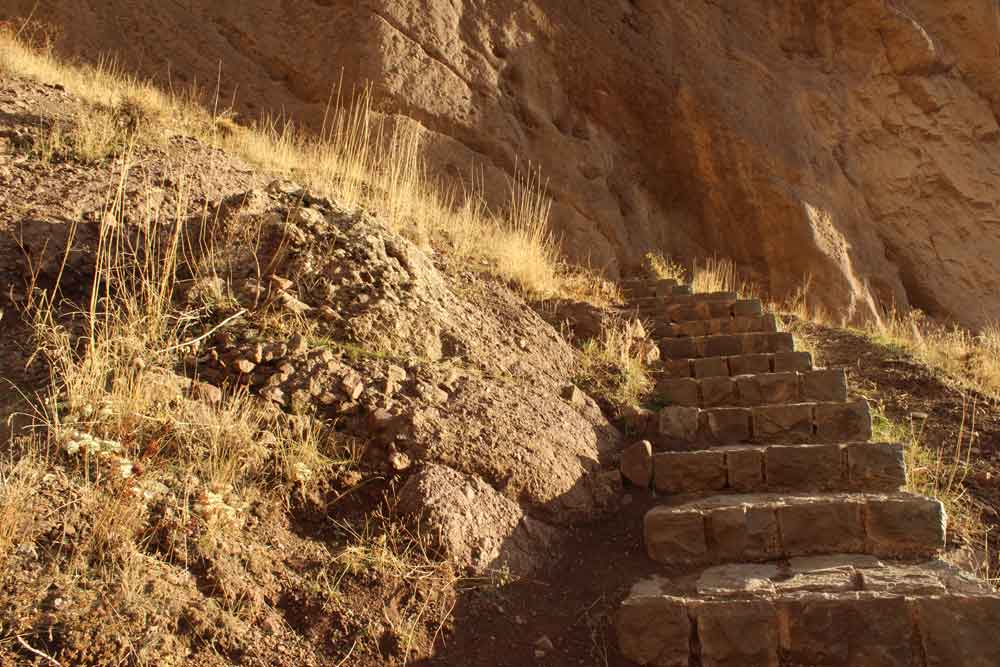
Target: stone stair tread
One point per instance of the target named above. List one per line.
(753, 389)
(769, 526)
(733, 365)
(720, 345)
(655, 302)
(841, 609)
(862, 466)
(727, 325)
(700, 310)
(686, 428)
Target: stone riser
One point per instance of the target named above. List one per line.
(761, 528)
(730, 366)
(798, 468)
(653, 290)
(851, 630)
(717, 326)
(702, 310)
(753, 390)
(684, 429)
(726, 345)
(655, 305)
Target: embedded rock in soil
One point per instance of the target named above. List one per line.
(472, 524)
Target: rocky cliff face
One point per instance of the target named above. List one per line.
(853, 141)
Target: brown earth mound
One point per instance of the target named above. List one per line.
(853, 142)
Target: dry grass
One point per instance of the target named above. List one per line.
(664, 268)
(719, 275)
(940, 472)
(613, 365)
(970, 360)
(360, 159)
(18, 483)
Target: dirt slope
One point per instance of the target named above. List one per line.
(854, 142)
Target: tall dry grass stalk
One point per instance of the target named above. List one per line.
(971, 360)
(613, 365)
(360, 158)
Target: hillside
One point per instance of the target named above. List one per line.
(853, 142)
(274, 399)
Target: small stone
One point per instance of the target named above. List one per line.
(637, 464)
(328, 314)
(544, 644)
(203, 391)
(296, 344)
(244, 366)
(399, 461)
(282, 283)
(353, 385)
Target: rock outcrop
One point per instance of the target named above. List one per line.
(855, 143)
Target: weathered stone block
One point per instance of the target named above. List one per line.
(767, 342)
(748, 307)
(691, 328)
(689, 472)
(679, 391)
(783, 423)
(818, 467)
(640, 421)
(843, 422)
(738, 579)
(726, 426)
(718, 392)
(679, 423)
(744, 533)
(746, 469)
(675, 535)
(902, 580)
(792, 361)
(750, 364)
(905, 526)
(825, 385)
(738, 634)
(778, 388)
(678, 348)
(637, 464)
(721, 309)
(676, 368)
(711, 367)
(875, 632)
(822, 526)
(723, 346)
(959, 630)
(654, 630)
(876, 466)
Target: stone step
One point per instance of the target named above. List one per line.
(702, 310)
(682, 428)
(652, 289)
(655, 305)
(752, 390)
(716, 326)
(740, 364)
(726, 345)
(835, 611)
(762, 527)
(862, 466)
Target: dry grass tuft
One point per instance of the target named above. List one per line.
(613, 365)
(939, 472)
(361, 159)
(664, 268)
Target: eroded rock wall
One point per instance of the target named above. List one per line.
(852, 141)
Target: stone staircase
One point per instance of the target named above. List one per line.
(786, 534)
